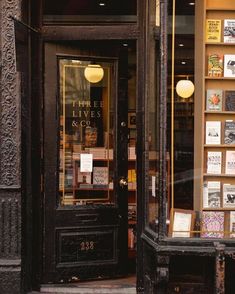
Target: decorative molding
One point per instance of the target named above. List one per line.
(10, 157)
(10, 102)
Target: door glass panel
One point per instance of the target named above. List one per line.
(86, 133)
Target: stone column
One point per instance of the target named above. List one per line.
(10, 155)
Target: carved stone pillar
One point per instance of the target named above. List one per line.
(10, 158)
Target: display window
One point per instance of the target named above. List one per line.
(201, 122)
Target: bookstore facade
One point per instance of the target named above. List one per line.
(117, 153)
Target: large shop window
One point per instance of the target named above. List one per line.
(201, 126)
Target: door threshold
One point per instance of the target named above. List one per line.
(110, 286)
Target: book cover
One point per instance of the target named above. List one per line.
(100, 175)
(229, 31)
(229, 65)
(230, 162)
(212, 224)
(229, 96)
(213, 132)
(214, 162)
(213, 30)
(215, 65)
(229, 132)
(83, 177)
(211, 194)
(228, 195)
(214, 99)
(232, 224)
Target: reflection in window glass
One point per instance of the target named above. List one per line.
(86, 136)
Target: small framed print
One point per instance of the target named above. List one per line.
(131, 120)
(181, 223)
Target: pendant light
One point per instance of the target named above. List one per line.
(94, 73)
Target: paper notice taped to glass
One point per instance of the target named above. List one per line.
(86, 162)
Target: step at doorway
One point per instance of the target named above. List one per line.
(116, 286)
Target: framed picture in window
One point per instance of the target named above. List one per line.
(181, 223)
(132, 120)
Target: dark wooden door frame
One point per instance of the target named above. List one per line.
(125, 32)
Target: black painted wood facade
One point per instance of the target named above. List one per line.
(22, 160)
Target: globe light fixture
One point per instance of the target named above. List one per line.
(94, 73)
(184, 88)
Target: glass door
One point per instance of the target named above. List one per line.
(85, 159)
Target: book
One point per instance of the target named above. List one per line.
(229, 132)
(214, 162)
(214, 99)
(215, 65)
(229, 96)
(232, 224)
(213, 30)
(100, 176)
(228, 195)
(213, 132)
(230, 162)
(83, 177)
(212, 224)
(229, 65)
(211, 194)
(229, 30)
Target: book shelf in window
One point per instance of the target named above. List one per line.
(209, 188)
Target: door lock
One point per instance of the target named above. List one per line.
(123, 183)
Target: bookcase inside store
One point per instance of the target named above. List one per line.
(214, 116)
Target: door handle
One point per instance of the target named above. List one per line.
(123, 182)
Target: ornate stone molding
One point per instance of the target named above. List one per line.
(10, 157)
(9, 103)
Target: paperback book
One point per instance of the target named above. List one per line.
(213, 132)
(232, 224)
(214, 162)
(229, 65)
(229, 31)
(230, 162)
(215, 65)
(214, 99)
(213, 30)
(211, 194)
(228, 195)
(229, 96)
(229, 132)
(212, 224)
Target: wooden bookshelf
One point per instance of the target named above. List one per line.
(214, 10)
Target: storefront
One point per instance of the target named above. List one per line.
(117, 149)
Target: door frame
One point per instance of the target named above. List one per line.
(135, 32)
